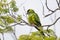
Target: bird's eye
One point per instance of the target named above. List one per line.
(28, 11)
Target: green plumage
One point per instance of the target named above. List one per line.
(33, 19)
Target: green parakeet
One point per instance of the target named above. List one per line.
(33, 19)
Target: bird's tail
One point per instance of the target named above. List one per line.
(40, 29)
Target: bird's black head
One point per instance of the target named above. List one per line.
(30, 11)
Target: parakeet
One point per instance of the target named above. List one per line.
(33, 19)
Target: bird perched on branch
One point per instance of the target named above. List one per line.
(34, 20)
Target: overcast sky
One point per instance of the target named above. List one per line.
(37, 7)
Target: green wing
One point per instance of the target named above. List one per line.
(36, 19)
(33, 18)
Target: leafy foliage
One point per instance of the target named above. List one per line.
(24, 37)
(8, 29)
(37, 36)
(8, 19)
(1, 30)
(6, 10)
(13, 6)
(19, 18)
(5, 7)
(12, 3)
(1, 22)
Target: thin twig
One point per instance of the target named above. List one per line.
(52, 12)
(15, 34)
(52, 23)
(24, 11)
(42, 7)
(3, 36)
(48, 7)
(23, 3)
(11, 14)
(42, 25)
(57, 3)
(14, 28)
(55, 26)
(23, 21)
(2, 25)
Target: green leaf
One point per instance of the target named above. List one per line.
(58, 38)
(13, 6)
(1, 10)
(0, 4)
(19, 18)
(35, 33)
(8, 19)
(12, 3)
(46, 38)
(15, 9)
(51, 32)
(52, 38)
(36, 36)
(1, 22)
(8, 29)
(24, 37)
(1, 30)
(5, 10)
(4, 0)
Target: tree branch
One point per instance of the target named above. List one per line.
(2, 25)
(52, 12)
(24, 11)
(42, 7)
(57, 3)
(48, 7)
(3, 36)
(35, 25)
(52, 23)
(23, 21)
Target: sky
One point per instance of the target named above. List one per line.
(37, 7)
